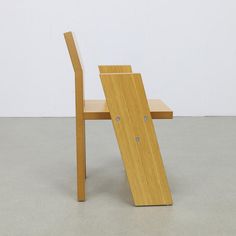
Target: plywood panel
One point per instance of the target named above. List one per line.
(80, 124)
(98, 110)
(115, 69)
(137, 140)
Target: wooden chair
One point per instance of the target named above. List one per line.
(98, 110)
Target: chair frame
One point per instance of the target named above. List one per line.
(97, 109)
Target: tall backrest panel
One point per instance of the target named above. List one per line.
(72, 48)
(80, 123)
(74, 56)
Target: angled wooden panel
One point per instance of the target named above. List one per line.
(137, 140)
(115, 69)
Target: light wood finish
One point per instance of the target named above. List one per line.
(80, 122)
(98, 110)
(137, 140)
(115, 69)
(82, 115)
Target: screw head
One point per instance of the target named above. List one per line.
(137, 139)
(118, 118)
(145, 118)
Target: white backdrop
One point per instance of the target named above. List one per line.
(185, 50)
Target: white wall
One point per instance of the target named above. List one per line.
(185, 50)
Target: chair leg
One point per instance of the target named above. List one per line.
(81, 159)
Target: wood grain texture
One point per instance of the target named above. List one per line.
(80, 122)
(98, 110)
(136, 137)
(115, 68)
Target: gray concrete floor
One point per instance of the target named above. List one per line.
(37, 180)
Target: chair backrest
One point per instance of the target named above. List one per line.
(73, 51)
(75, 59)
(79, 87)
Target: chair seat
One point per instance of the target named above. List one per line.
(98, 110)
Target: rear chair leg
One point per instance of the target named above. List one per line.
(81, 157)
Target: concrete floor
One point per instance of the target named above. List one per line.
(37, 180)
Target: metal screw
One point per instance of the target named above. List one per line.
(137, 139)
(118, 118)
(145, 118)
